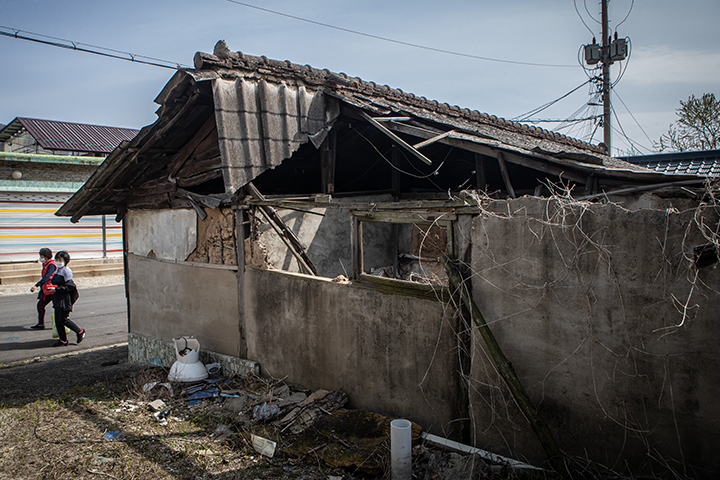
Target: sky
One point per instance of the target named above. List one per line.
(675, 53)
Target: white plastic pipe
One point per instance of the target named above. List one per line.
(401, 449)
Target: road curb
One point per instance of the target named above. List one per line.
(43, 358)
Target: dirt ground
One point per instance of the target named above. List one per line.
(86, 415)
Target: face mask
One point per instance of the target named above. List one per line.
(59, 264)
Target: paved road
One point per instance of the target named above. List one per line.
(101, 311)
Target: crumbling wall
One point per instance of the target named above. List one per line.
(216, 238)
(610, 327)
(392, 354)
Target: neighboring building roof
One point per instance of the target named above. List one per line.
(705, 163)
(72, 137)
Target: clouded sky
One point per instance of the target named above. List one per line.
(675, 53)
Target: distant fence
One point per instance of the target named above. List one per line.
(28, 223)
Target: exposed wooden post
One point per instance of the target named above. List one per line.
(239, 234)
(356, 247)
(480, 172)
(506, 177)
(459, 284)
(327, 162)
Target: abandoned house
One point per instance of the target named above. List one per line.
(296, 222)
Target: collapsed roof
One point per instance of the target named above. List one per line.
(292, 128)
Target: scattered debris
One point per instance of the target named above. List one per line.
(112, 435)
(263, 446)
(157, 405)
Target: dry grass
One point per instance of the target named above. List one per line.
(65, 438)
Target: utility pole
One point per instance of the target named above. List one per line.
(607, 52)
(607, 130)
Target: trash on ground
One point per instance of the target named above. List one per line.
(263, 446)
(157, 405)
(112, 435)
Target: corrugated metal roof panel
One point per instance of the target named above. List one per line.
(705, 162)
(76, 137)
(260, 124)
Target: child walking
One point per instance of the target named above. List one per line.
(65, 295)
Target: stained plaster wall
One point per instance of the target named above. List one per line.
(392, 354)
(580, 298)
(168, 234)
(169, 299)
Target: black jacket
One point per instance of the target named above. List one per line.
(66, 293)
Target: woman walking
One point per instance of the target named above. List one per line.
(65, 295)
(48, 270)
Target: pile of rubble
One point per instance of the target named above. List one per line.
(278, 418)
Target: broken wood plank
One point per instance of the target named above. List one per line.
(178, 160)
(505, 176)
(297, 245)
(459, 284)
(534, 161)
(200, 178)
(301, 261)
(432, 140)
(392, 119)
(397, 139)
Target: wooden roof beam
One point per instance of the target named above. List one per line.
(395, 138)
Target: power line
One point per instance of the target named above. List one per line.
(82, 47)
(633, 116)
(566, 120)
(399, 42)
(523, 117)
(624, 135)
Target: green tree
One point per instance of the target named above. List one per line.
(698, 127)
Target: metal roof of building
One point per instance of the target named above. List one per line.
(703, 163)
(70, 137)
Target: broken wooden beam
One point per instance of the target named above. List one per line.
(271, 213)
(505, 175)
(395, 138)
(458, 283)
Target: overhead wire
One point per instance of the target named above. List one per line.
(624, 135)
(81, 47)
(590, 14)
(545, 106)
(633, 117)
(399, 42)
(581, 18)
(632, 4)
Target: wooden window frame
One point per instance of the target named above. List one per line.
(394, 285)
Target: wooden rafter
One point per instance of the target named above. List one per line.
(395, 138)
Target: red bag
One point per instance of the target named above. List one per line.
(48, 288)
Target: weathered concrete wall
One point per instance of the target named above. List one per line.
(169, 299)
(168, 234)
(584, 299)
(392, 354)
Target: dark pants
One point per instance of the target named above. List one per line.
(43, 300)
(61, 321)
